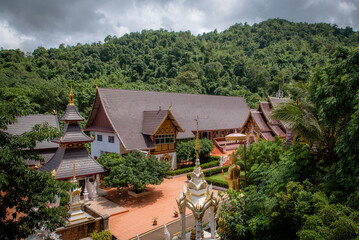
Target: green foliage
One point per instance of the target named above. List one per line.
(25, 192)
(186, 170)
(242, 60)
(232, 218)
(133, 170)
(103, 235)
(185, 150)
(261, 152)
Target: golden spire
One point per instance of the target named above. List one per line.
(95, 85)
(169, 108)
(197, 147)
(74, 178)
(71, 96)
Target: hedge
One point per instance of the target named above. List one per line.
(216, 182)
(190, 169)
(211, 172)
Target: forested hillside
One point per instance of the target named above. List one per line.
(243, 60)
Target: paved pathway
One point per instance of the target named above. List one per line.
(172, 227)
(160, 203)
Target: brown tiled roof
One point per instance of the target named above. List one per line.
(73, 133)
(125, 108)
(63, 163)
(278, 130)
(267, 136)
(152, 120)
(47, 154)
(274, 101)
(260, 121)
(266, 110)
(26, 123)
(71, 114)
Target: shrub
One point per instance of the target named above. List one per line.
(103, 235)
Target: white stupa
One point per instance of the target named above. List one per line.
(198, 197)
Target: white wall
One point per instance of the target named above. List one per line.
(105, 146)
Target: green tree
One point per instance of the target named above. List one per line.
(25, 192)
(133, 170)
(185, 150)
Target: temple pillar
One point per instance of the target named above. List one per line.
(212, 220)
(183, 223)
(198, 228)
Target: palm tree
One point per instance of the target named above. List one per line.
(302, 117)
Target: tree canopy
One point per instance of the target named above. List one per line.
(242, 60)
(133, 170)
(26, 193)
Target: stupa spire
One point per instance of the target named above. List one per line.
(197, 147)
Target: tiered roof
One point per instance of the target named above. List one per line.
(72, 156)
(268, 127)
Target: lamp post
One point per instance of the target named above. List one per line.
(240, 137)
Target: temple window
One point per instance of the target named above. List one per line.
(164, 138)
(99, 138)
(111, 139)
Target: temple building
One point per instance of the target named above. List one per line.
(25, 124)
(72, 153)
(125, 120)
(260, 124)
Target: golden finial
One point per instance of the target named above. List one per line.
(53, 173)
(54, 112)
(95, 85)
(71, 96)
(197, 147)
(259, 99)
(169, 108)
(60, 139)
(74, 178)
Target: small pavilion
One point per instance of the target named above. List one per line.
(72, 152)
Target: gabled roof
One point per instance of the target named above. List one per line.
(63, 164)
(71, 114)
(152, 121)
(26, 123)
(124, 109)
(260, 121)
(274, 101)
(265, 108)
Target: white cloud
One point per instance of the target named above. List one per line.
(10, 38)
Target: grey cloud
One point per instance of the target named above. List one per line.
(50, 22)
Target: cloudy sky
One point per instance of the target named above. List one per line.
(27, 24)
